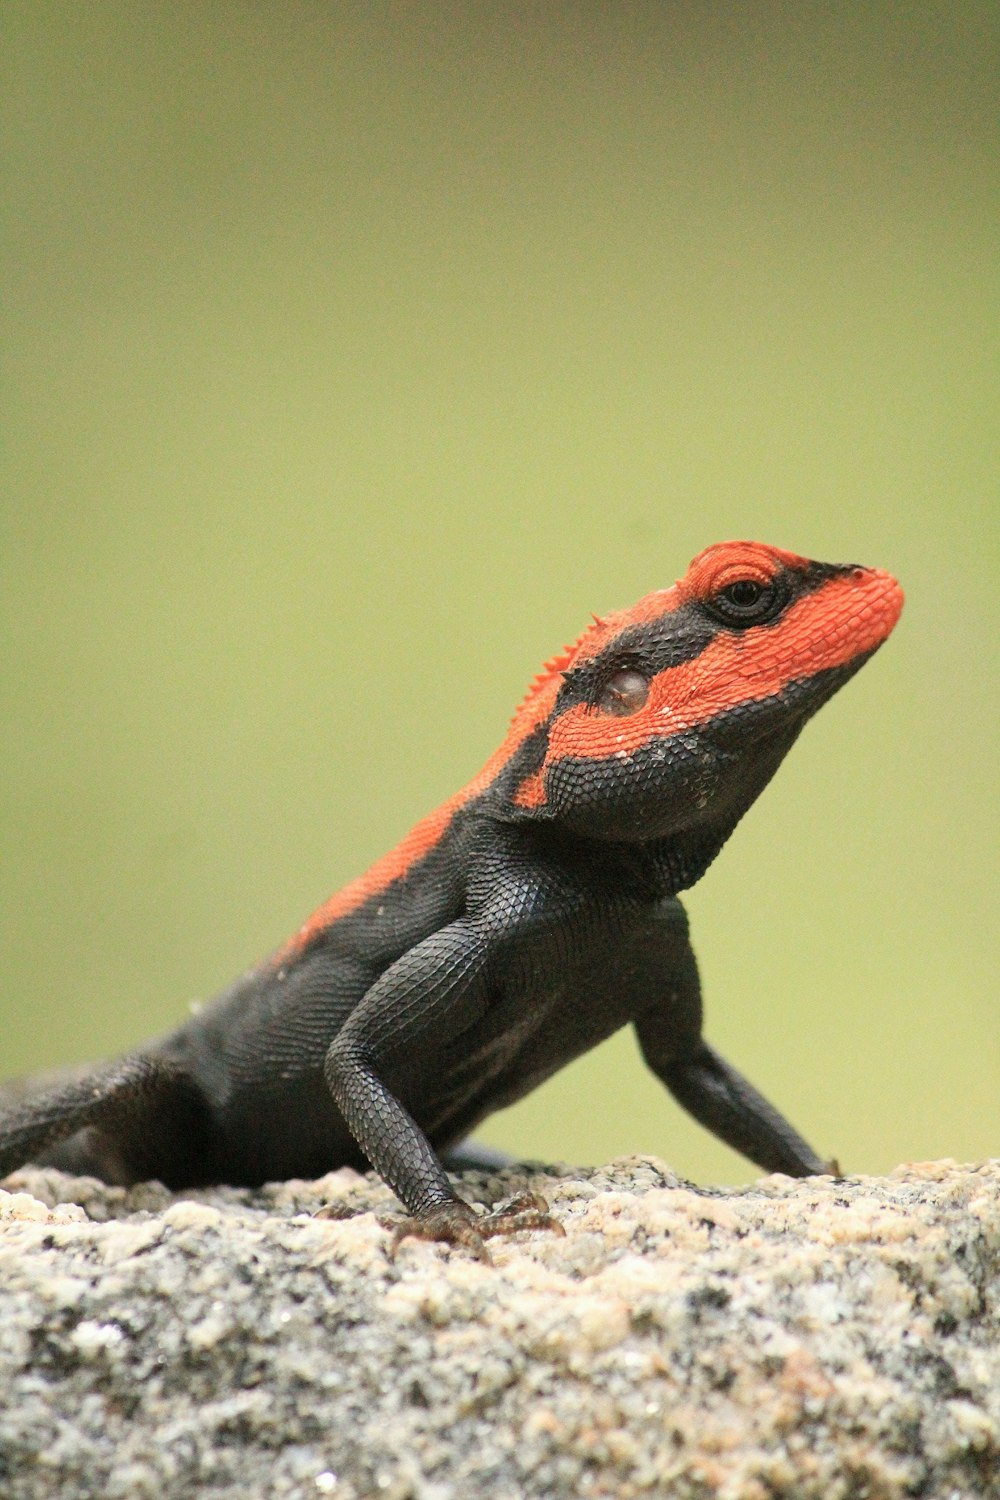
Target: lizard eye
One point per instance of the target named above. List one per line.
(748, 601)
(624, 693)
(744, 593)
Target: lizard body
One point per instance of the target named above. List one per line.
(529, 917)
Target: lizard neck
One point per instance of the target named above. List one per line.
(681, 859)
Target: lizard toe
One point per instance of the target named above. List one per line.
(456, 1223)
(523, 1211)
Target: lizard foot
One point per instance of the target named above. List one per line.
(456, 1223)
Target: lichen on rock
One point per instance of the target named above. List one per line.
(822, 1340)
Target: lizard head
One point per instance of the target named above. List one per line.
(674, 714)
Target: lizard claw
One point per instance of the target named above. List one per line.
(455, 1223)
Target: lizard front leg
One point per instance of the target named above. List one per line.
(415, 1009)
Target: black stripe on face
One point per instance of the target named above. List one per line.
(680, 635)
(813, 576)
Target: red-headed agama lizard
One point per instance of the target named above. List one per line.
(528, 918)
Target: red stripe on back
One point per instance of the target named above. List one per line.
(429, 831)
(534, 710)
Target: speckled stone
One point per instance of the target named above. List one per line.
(827, 1339)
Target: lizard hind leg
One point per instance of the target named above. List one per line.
(139, 1117)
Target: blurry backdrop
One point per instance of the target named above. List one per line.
(355, 353)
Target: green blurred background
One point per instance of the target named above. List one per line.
(355, 353)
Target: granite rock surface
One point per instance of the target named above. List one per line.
(822, 1340)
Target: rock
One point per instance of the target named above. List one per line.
(835, 1339)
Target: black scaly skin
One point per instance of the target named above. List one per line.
(537, 916)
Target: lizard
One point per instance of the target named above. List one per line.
(529, 917)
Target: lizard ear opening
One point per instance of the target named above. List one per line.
(623, 693)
